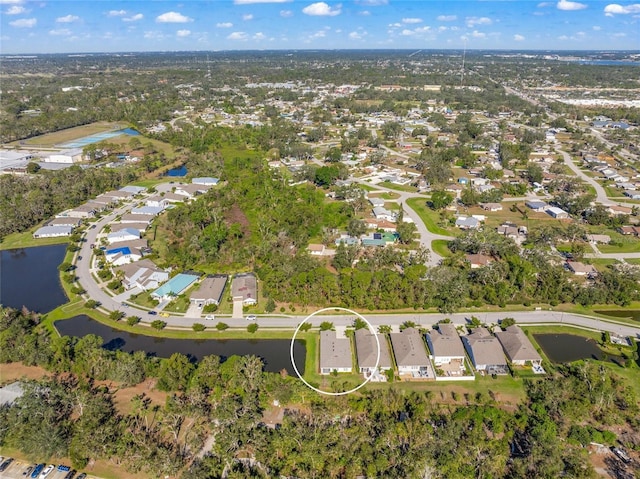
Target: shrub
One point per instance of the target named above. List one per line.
(133, 320)
(198, 327)
(222, 326)
(210, 308)
(252, 328)
(78, 290)
(305, 327)
(158, 324)
(116, 315)
(91, 304)
(270, 306)
(326, 326)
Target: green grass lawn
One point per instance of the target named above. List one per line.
(393, 186)
(440, 247)
(428, 216)
(26, 240)
(144, 299)
(630, 245)
(179, 304)
(385, 195)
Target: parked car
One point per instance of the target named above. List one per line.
(123, 304)
(6, 463)
(46, 471)
(210, 316)
(92, 227)
(82, 476)
(79, 258)
(252, 317)
(70, 474)
(153, 313)
(36, 470)
(63, 468)
(28, 470)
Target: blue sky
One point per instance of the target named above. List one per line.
(56, 26)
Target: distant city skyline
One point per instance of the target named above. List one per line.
(60, 26)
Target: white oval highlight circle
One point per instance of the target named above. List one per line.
(293, 363)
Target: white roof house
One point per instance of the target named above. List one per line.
(445, 344)
(144, 275)
(467, 223)
(410, 352)
(557, 212)
(536, 205)
(147, 210)
(53, 231)
(485, 351)
(136, 190)
(205, 180)
(157, 201)
(125, 234)
(381, 213)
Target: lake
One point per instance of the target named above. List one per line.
(30, 278)
(181, 171)
(622, 313)
(274, 352)
(565, 348)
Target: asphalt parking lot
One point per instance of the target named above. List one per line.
(17, 468)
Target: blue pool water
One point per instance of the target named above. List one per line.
(182, 171)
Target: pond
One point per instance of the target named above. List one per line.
(622, 313)
(181, 171)
(274, 352)
(565, 348)
(30, 278)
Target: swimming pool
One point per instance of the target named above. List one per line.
(87, 140)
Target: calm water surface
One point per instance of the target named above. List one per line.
(565, 348)
(274, 352)
(29, 277)
(182, 171)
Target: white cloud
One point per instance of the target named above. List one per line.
(153, 35)
(364, 13)
(224, 25)
(473, 21)
(568, 5)
(68, 19)
(477, 34)
(183, 33)
(173, 17)
(596, 28)
(371, 3)
(411, 20)
(415, 31)
(395, 25)
(619, 35)
(545, 4)
(286, 13)
(318, 34)
(447, 18)
(615, 9)
(15, 10)
(518, 38)
(10, 2)
(237, 36)
(134, 18)
(321, 9)
(116, 13)
(24, 23)
(247, 16)
(442, 28)
(249, 2)
(357, 35)
(259, 36)
(60, 32)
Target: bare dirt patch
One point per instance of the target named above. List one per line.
(123, 396)
(236, 215)
(13, 371)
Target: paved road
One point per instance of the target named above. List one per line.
(601, 195)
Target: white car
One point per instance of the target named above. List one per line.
(210, 316)
(252, 317)
(46, 471)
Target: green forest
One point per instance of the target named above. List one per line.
(388, 432)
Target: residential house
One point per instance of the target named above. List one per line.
(115, 227)
(478, 260)
(245, 288)
(131, 218)
(509, 230)
(376, 202)
(144, 275)
(157, 201)
(602, 239)
(581, 269)
(205, 180)
(633, 194)
(119, 195)
(135, 190)
(629, 230)
(347, 240)
(175, 286)
(335, 353)
(383, 225)
(491, 206)
(446, 348)
(536, 205)
(192, 190)
(382, 213)
(125, 234)
(378, 239)
(316, 249)
(619, 210)
(53, 231)
(73, 222)
(518, 347)
(147, 210)
(120, 255)
(82, 211)
(367, 351)
(556, 212)
(467, 223)
(210, 290)
(410, 353)
(485, 352)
